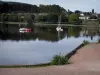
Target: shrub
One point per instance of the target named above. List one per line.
(59, 60)
(85, 42)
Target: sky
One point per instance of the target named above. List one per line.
(83, 5)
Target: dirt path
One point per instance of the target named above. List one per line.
(54, 70)
(85, 62)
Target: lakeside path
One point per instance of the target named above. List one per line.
(86, 61)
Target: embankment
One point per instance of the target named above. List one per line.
(88, 53)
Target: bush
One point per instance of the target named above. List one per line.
(85, 42)
(59, 60)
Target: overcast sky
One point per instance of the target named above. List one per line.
(84, 5)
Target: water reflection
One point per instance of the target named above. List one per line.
(47, 33)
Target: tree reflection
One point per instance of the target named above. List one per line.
(73, 32)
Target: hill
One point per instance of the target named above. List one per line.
(8, 7)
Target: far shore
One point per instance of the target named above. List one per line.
(38, 24)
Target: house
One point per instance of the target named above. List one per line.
(83, 17)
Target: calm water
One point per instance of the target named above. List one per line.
(41, 44)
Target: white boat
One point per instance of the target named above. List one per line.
(59, 26)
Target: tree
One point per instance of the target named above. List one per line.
(28, 18)
(13, 17)
(74, 19)
(52, 17)
(41, 18)
(1, 6)
(64, 18)
(8, 7)
(69, 12)
(5, 17)
(77, 12)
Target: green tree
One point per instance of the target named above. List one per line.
(64, 18)
(13, 17)
(74, 19)
(52, 17)
(29, 20)
(5, 17)
(41, 18)
(77, 11)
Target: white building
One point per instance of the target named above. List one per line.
(83, 17)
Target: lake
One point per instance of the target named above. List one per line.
(40, 45)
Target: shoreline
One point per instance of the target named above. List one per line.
(40, 24)
(74, 51)
(25, 66)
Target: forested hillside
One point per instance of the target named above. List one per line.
(8, 7)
